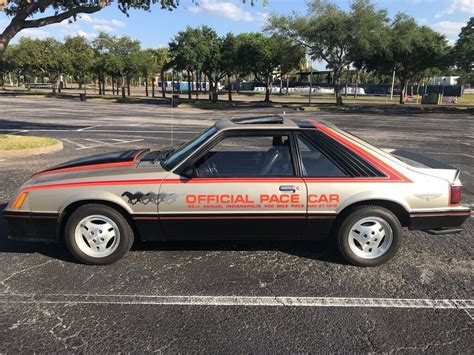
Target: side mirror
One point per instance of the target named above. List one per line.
(189, 172)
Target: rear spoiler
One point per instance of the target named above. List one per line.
(433, 167)
(429, 162)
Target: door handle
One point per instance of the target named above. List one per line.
(287, 188)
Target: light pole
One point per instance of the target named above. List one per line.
(310, 82)
(393, 84)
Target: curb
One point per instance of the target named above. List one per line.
(7, 154)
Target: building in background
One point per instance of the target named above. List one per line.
(444, 80)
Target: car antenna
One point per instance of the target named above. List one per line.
(172, 107)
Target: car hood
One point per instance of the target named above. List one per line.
(124, 165)
(120, 159)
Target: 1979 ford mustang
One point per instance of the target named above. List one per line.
(255, 178)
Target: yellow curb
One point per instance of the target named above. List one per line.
(8, 154)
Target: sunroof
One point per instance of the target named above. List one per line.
(258, 120)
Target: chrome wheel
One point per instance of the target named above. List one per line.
(97, 236)
(370, 237)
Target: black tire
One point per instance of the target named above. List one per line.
(343, 229)
(126, 234)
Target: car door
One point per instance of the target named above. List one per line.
(243, 185)
(327, 185)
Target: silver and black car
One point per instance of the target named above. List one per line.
(252, 178)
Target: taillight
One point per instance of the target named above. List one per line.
(456, 192)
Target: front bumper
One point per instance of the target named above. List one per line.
(438, 220)
(42, 227)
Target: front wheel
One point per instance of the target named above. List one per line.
(369, 236)
(98, 234)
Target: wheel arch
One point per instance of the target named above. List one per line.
(69, 209)
(396, 208)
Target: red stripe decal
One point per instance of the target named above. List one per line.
(87, 167)
(93, 166)
(95, 183)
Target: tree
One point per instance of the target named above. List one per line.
(209, 50)
(22, 11)
(464, 47)
(230, 59)
(117, 56)
(147, 67)
(330, 34)
(22, 59)
(13, 63)
(185, 50)
(411, 50)
(369, 27)
(268, 58)
(46, 58)
(463, 52)
(163, 61)
(52, 61)
(80, 55)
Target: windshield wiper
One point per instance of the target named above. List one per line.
(166, 152)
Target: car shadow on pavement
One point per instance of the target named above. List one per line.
(315, 250)
(7, 245)
(321, 250)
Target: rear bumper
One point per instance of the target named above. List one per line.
(41, 227)
(438, 220)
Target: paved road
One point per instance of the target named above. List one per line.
(227, 297)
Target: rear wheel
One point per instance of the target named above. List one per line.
(98, 234)
(369, 236)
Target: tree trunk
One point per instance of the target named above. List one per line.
(287, 84)
(268, 89)
(210, 89)
(337, 79)
(128, 85)
(99, 78)
(402, 91)
(230, 87)
(162, 77)
(189, 85)
(357, 82)
(196, 78)
(153, 87)
(2, 80)
(146, 86)
(123, 87)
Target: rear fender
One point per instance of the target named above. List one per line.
(370, 196)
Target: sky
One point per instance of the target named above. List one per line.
(156, 28)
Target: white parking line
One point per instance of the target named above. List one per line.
(103, 144)
(97, 131)
(74, 143)
(241, 301)
(88, 128)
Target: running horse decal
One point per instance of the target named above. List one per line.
(149, 197)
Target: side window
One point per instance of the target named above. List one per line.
(247, 156)
(315, 163)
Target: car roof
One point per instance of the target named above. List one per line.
(263, 122)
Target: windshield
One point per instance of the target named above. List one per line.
(178, 155)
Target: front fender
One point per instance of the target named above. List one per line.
(104, 196)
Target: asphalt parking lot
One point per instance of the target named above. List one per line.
(229, 296)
